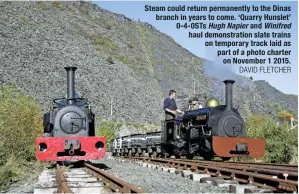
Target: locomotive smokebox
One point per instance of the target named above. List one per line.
(229, 93)
(70, 83)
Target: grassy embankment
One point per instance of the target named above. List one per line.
(20, 124)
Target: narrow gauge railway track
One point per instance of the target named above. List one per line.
(267, 176)
(89, 179)
(266, 165)
(288, 172)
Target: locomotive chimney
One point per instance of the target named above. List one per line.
(70, 83)
(229, 94)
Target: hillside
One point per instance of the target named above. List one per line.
(127, 61)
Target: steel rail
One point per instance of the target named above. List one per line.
(264, 165)
(241, 162)
(282, 173)
(114, 183)
(258, 179)
(285, 175)
(61, 181)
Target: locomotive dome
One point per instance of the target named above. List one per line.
(212, 102)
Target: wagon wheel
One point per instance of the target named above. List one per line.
(225, 158)
(189, 156)
(143, 153)
(207, 156)
(154, 154)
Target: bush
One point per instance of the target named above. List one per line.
(281, 141)
(107, 129)
(20, 124)
(285, 115)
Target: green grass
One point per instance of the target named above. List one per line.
(103, 42)
(123, 59)
(70, 9)
(41, 5)
(58, 4)
(27, 21)
(20, 124)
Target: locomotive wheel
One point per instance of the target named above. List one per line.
(154, 154)
(130, 153)
(225, 158)
(189, 156)
(177, 156)
(207, 156)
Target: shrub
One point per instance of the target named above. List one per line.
(281, 142)
(107, 128)
(20, 124)
(285, 115)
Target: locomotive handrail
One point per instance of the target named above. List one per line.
(71, 99)
(63, 101)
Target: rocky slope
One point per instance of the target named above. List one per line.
(118, 59)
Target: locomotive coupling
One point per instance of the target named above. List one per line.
(71, 144)
(71, 152)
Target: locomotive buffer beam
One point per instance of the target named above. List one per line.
(241, 147)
